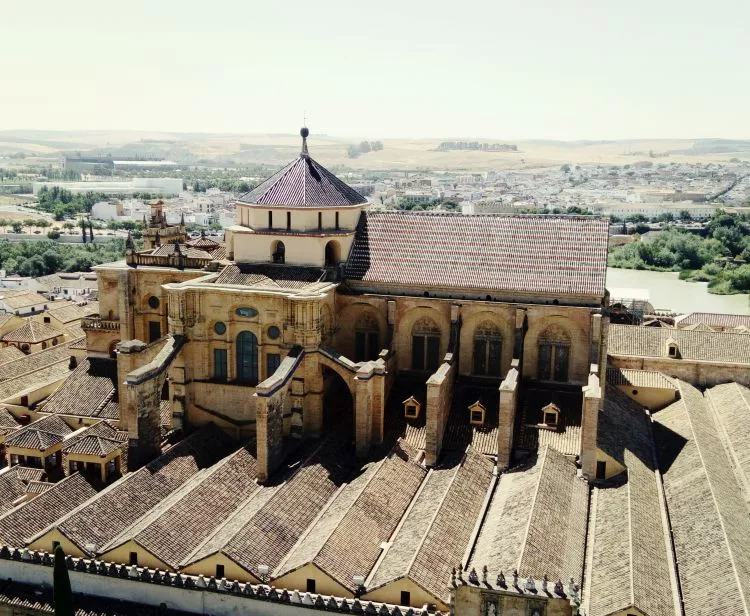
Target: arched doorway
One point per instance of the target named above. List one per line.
(338, 406)
(278, 252)
(332, 253)
(247, 358)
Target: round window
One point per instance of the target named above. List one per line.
(153, 302)
(220, 328)
(274, 332)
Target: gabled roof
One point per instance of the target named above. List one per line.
(535, 521)
(368, 520)
(32, 332)
(635, 341)
(713, 319)
(303, 183)
(639, 378)
(628, 563)
(40, 435)
(86, 392)
(437, 530)
(21, 523)
(707, 509)
(101, 518)
(172, 530)
(492, 253)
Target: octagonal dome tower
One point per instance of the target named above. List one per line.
(301, 215)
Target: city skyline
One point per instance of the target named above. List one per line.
(582, 71)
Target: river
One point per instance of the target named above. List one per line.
(669, 292)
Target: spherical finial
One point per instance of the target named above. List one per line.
(304, 132)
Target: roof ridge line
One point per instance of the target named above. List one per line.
(630, 539)
(716, 503)
(533, 506)
(395, 532)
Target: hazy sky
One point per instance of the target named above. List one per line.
(555, 69)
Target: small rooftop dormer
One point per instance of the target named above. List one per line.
(550, 417)
(672, 350)
(477, 412)
(304, 206)
(412, 408)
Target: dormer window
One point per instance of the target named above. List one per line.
(476, 413)
(412, 408)
(673, 351)
(551, 415)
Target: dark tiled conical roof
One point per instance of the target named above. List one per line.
(303, 183)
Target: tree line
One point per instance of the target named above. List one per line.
(721, 257)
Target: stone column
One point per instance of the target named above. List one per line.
(363, 383)
(269, 433)
(507, 417)
(313, 396)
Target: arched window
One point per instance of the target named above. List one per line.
(366, 338)
(487, 349)
(247, 357)
(332, 253)
(278, 252)
(425, 345)
(554, 354)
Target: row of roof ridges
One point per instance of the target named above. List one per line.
(373, 470)
(697, 395)
(191, 558)
(58, 524)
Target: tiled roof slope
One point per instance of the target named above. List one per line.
(628, 563)
(529, 254)
(371, 519)
(535, 522)
(104, 516)
(34, 361)
(11, 488)
(23, 522)
(731, 406)
(32, 332)
(8, 423)
(639, 378)
(633, 340)
(9, 354)
(707, 511)
(713, 319)
(303, 183)
(274, 277)
(40, 434)
(174, 532)
(447, 536)
(47, 375)
(86, 391)
(275, 528)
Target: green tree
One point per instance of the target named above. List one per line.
(17, 227)
(62, 592)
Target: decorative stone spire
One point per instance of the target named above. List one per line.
(182, 219)
(129, 242)
(157, 239)
(304, 132)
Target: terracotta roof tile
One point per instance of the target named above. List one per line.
(707, 511)
(32, 332)
(85, 393)
(713, 319)
(630, 340)
(639, 378)
(23, 522)
(107, 514)
(535, 521)
(628, 563)
(371, 519)
(303, 183)
(529, 254)
(268, 276)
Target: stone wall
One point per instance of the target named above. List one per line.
(439, 400)
(697, 373)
